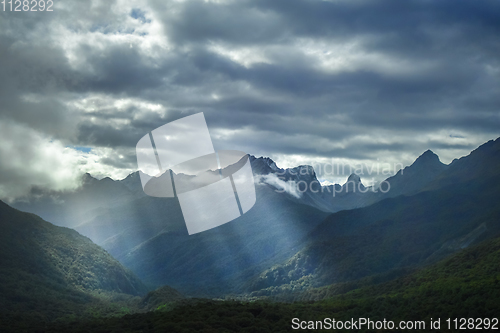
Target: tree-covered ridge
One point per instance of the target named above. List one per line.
(50, 271)
(466, 285)
(394, 234)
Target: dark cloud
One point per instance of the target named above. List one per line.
(316, 79)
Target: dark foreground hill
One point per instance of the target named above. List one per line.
(49, 272)
(465, 285)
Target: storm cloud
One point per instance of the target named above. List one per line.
(301, 81)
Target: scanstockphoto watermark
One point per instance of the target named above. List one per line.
(359, 324)
(437, 324)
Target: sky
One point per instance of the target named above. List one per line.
(300, 81)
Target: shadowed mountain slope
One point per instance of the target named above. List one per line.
(398, 232)
(50, 270)
(466, 285)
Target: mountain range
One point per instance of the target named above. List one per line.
(456, 209)
(290, 239)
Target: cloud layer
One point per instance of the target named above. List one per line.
(301, 81)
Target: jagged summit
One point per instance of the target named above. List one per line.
(428, 162)
(428, 157)
(87, 176)
(133, 182)
(266, 160)
(413, 178)
(87, 179)
(302, 172)
(263, 165)
(107, 180)
(354, 178)
(428, 154)
(353, 184)
(134, 177)
(481, 163)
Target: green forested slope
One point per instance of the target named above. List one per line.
(465, 285)
(393, 234)
(49, 272)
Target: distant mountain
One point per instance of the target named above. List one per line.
(412, 179)
(71, 208)
(121, 228)
(96, 198)
(264, 166)
(49, 271)
(308, 189)
(219, 260)
(352, 194)
(395, 233)
(482, 163)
